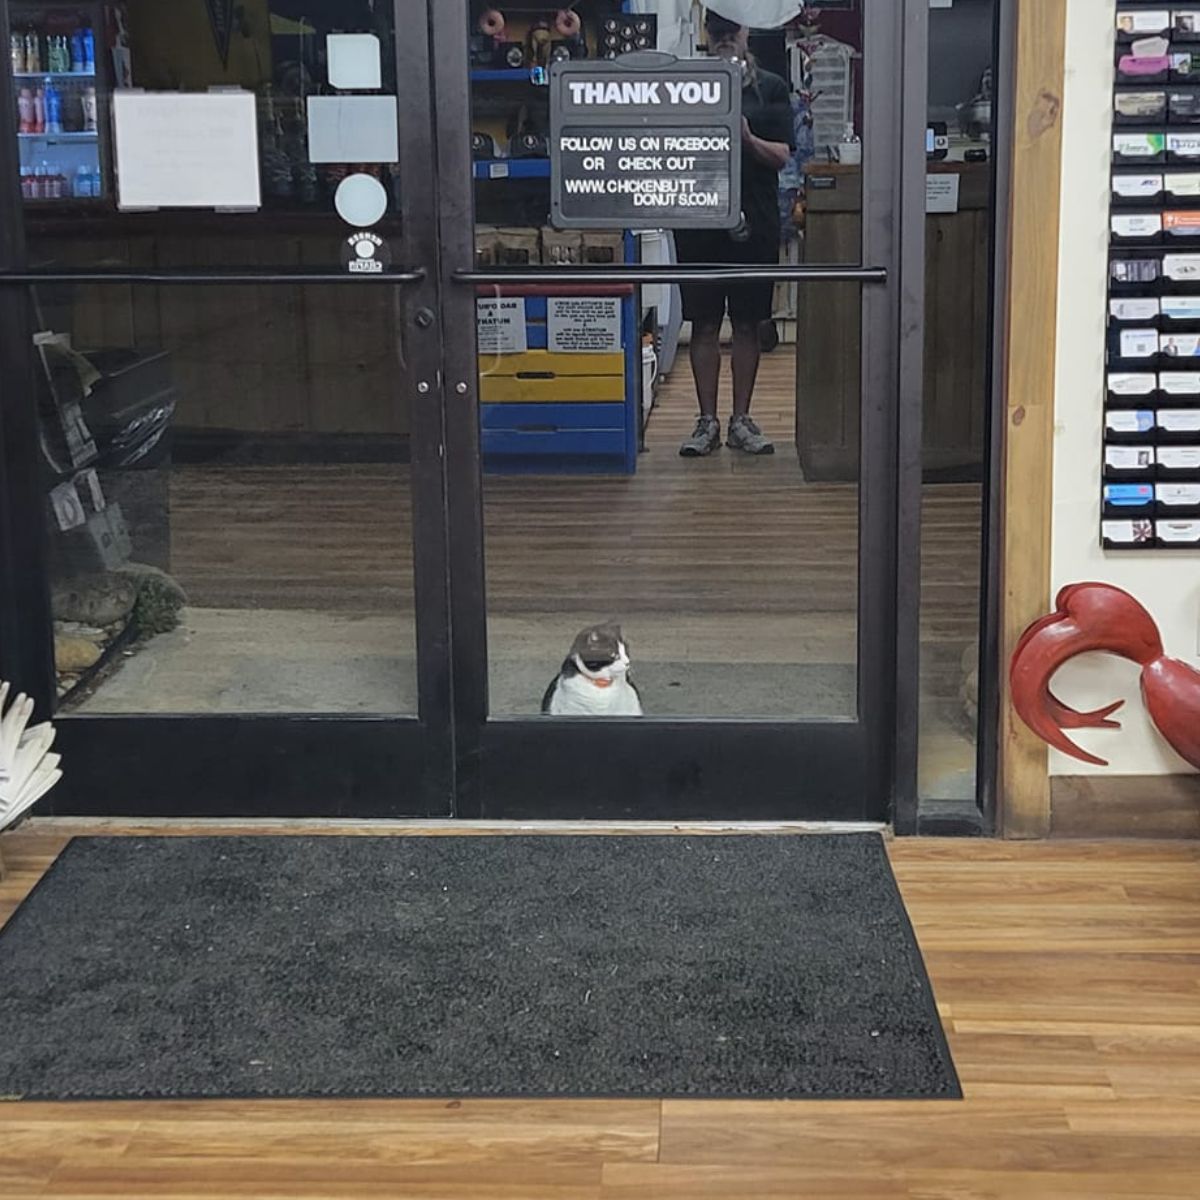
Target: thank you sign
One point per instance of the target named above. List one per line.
(646, 141)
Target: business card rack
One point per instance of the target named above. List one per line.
(1150, 486)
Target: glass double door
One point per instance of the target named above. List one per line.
(342, 482)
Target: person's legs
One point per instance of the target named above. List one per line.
(704, 307)
(744, 360)
(705, 353)
(749, 306)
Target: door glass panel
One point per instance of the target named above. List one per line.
(731, 570)
(228, 506)
(958, 316)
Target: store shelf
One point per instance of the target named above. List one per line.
(54, 74)
(74, 136)
(512, 168)
(506, 75)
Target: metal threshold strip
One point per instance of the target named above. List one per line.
(185, 276)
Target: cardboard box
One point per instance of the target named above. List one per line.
(561, 247)
(485, 245)
(518, 247)
(603, 247)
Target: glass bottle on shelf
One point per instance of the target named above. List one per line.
(16, 48)
(88, 102)
(33, 54)
(25, 110)
(53, 102)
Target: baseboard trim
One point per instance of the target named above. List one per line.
(231, 447)
(1133, 806)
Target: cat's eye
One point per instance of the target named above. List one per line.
(597, 664)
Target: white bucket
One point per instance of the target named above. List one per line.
(649, 370)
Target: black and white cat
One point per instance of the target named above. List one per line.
(594, 678)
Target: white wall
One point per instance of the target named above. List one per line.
(1167, 583)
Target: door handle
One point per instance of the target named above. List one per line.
(17, 277)
(674, 273)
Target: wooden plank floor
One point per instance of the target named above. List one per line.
(727, 537)
(1067, 974)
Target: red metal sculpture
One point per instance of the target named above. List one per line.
(1098, 616)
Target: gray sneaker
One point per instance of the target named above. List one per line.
(744, 434)
(706, 437)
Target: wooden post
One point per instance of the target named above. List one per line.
(1029, 348)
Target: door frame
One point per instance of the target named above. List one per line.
(343, 765)
(520, 766)
(244, 764)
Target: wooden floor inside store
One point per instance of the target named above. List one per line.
(1067, 975)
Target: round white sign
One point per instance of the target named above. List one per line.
(361, 200)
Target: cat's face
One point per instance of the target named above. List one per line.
(601, 653)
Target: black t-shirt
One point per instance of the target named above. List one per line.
(767, 106)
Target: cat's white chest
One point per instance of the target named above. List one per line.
(578, 696)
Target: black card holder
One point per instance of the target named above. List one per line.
(1149, 73)
(1139, 149)
(1135, 22)
(1180, 230)
(1139, 189)
(1182, 106)
(1177, 535)
(1185, 25)
(1177, 426)
(1181, 189)
(1177, 499)
(1179, 352)
(1178, 389)
(1183, 66)
(1134, 275)
(1129, 464)
(1135, 389)
(1129, 427)
(1133, 351)
(1127, 500)
(1134, 312)
(1181, 273)
(1177, 463)
(1183, 147)
(1136, 229)
(1171, 324)
(1128, 534)
(1145, 108)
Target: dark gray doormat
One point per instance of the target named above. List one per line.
(468, 966)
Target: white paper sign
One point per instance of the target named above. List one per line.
(186, 149)
(353, 129)
(583, 324)
(501, 326)
(941, 193)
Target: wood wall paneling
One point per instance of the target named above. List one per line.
(1142, 806)
(270, 359)
(1030, 347)
(828, 386)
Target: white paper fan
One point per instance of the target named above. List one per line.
(27, 768)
